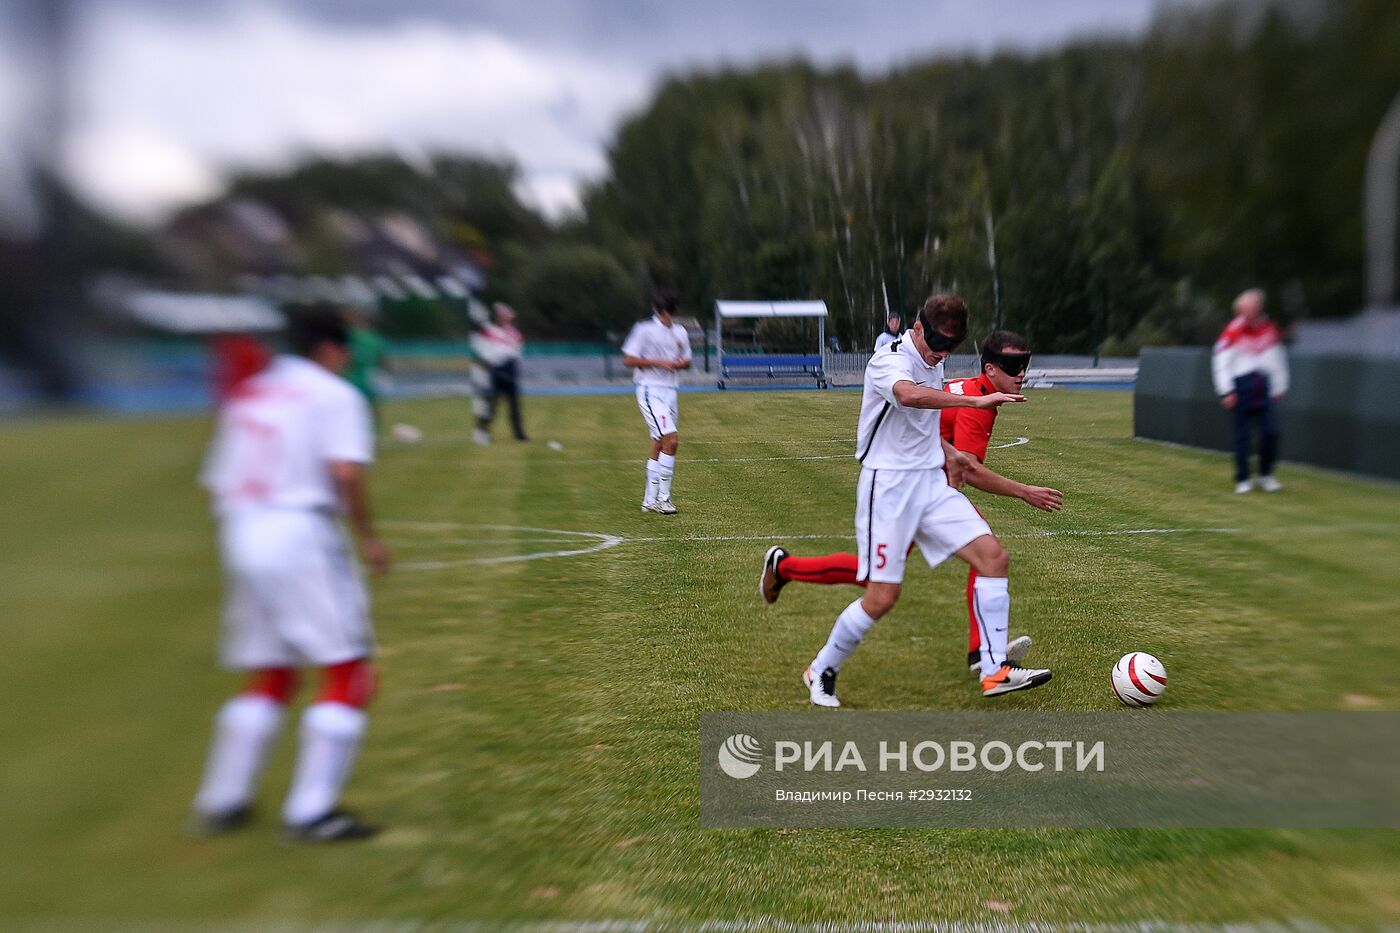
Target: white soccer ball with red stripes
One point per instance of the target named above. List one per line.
(1139, 679)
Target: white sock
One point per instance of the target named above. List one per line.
(666, 467)
(851, 626)
(330, 737)
(243, 732)
(653, 482)
(991, 602)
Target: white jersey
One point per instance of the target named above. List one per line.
(277, 435)
(884, 340)
(890, 436)
(652, 340)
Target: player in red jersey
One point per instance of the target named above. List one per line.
(1005, 358)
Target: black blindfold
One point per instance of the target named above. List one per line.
(1011, 363)
(939, 343)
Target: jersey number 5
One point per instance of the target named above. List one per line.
(881, 558)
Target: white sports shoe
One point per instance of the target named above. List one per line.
(1269, 484)
(1013, 677)
(821, 687)
(1245, 485)
(664, 507)
(1016, 649)
(480, 436)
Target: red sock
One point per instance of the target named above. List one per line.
(350, 683)
(826, 569)
(278, 684)
(974, 638)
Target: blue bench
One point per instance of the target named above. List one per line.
(771, 366)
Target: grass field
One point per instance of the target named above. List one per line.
(533, 750)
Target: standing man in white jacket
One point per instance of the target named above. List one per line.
(1251, 375)
(500, 345)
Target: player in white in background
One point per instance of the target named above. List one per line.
(903, 497)
(656, 350)
(287, 461)
(891, 332)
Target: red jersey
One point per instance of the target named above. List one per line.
(968, 429)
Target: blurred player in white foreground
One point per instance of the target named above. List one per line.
(904, 497)
(287, 461)
(656, 350)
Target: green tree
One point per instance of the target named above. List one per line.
(578, 291)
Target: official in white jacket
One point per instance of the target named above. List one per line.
(1251, 375)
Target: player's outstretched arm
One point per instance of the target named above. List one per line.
(910, 395)
(980, 476)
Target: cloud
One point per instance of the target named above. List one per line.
(664, 33)
(172, 93)
(166, 104)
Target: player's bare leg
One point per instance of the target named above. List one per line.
(244, 731)
(331, 729)
(992, 609)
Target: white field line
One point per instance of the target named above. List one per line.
(683, 460)
(1060, 533)
(459, 439)
(599, 541)
(780, 925)
(687, 461)
(563, 461)
(762, 924)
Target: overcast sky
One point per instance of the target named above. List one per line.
(170, 93)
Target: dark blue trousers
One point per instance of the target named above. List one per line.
(1253, 404)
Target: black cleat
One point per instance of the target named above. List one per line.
(769, 583)
(204, 825)
(335, 826)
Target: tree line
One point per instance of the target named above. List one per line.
(1108, 194)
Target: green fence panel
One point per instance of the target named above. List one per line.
(1341, 411)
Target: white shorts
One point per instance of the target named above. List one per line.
(295, 594)
(658, 405)
(896, 508)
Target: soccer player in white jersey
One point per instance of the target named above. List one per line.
(287, 462)
(904, 496)
(656, 350)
